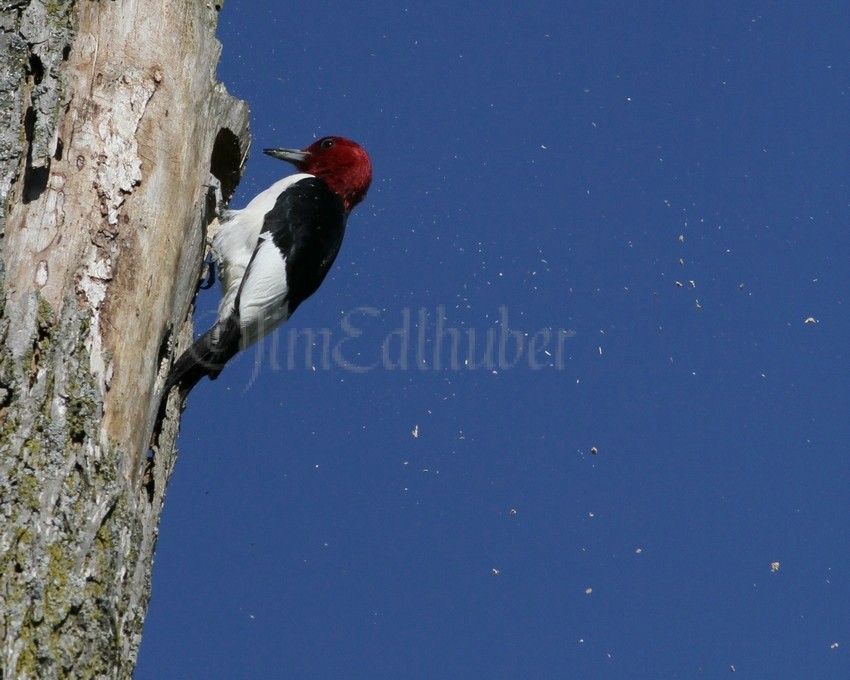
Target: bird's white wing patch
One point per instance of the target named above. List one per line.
(238, 236)
(262, 306)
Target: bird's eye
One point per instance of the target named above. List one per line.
(327, 143)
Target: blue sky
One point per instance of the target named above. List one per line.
(661, 185)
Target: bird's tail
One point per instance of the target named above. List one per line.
(207, 357)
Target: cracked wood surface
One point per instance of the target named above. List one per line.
(117, 147)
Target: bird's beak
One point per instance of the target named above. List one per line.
(290, 155)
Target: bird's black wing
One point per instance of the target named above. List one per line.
(306, 225)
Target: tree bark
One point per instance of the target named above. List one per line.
(117, 149)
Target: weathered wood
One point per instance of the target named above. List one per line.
(117, 147)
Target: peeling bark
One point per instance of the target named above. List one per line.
(117, 148)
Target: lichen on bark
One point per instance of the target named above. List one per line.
(113, 137)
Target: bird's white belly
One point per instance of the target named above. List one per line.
(238, 236)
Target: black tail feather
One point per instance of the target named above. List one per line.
(207, 357)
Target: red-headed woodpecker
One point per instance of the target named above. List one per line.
(275, 252)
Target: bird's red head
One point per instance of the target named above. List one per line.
(343, 164)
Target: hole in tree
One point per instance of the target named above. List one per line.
(148, 481)
(36, 69)
(225, 162)
(35, 179)
(164, 347)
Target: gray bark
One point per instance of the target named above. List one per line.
(117, 147)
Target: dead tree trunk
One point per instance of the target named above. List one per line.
(116, 147)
